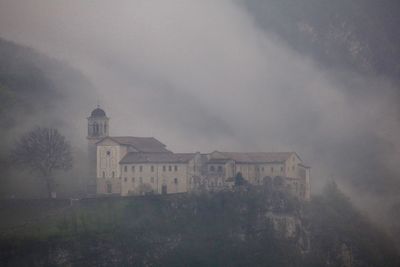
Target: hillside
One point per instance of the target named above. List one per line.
(35, 90)
(356, 36)
(248, 227)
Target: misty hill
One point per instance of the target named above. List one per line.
(36, 90)
(355, 35)
(249, 227)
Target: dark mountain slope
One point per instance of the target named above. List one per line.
(36, 90)
(358, 35)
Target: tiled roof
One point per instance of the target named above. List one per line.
(143, 144)
(134, 157)
(257, 157)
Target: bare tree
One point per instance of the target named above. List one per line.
(43, 150)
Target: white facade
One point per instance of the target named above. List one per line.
(141, 165)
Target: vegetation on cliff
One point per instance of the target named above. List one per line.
(248, 227)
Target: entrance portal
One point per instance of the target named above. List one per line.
(164, 189)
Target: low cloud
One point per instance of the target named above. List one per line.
(201, 75)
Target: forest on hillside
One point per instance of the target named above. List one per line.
(251, 226)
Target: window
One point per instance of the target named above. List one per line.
(152, 168)
(272, 169)
(170, 168)
(133, 179)
(125, 168)
(152, 180)
(108, 153)
(104, 174)
(140, 168)
(140, 180)
(212, 168)
(175, 168)
(219, 168)
(281, 169)
(133, 168)
(163, 168)
(175, 180)
(113, 174)
(125, 179)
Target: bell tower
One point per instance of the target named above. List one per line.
(97, 129)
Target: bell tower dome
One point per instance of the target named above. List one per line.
(97, 125)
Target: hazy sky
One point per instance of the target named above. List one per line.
(201, 75)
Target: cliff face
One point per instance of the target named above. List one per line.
(357, 35)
